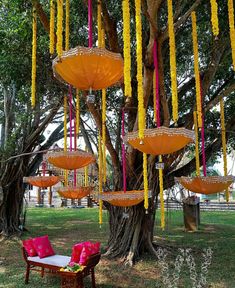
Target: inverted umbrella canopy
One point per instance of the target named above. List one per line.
(74, 192)
(42, 181)
(161, 140)
(206, 184)
(70, 160)
(89, 68)
(123, 199)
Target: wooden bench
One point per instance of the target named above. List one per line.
(53, 264)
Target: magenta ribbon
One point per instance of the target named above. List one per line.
(123, 152)
(90, 22)
(70, 118)
(155, 61)
(203, 134)
(75, 148)
(43, 168)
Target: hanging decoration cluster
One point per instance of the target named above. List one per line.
(34, 58)
(196, 144)
(196, 68)
(59, 33)
(214, 17)
(223, 133)
(161, 195)
(172, 61)
(141, 111)
(67, 8)
(127, 47)
(232, 29)
(52, 26)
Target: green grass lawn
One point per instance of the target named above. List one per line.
(66, 227)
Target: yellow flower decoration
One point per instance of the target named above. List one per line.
(52, 26)
(34, 58)
(214, 17)
(232, 29)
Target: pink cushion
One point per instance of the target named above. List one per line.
(76, 252)
(28, 246)
(87, 250)
(43, 246)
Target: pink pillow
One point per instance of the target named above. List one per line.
(28, 246)
(43, 246)
(93, 247)
(87, 250)
(76, 252)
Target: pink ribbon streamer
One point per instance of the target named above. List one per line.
(75, 148)
(43, 168)
(90, 22)
(123, 152)
(203, 134)
(155, 61)
(70, 118)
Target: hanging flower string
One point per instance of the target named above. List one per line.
(145, 176)
(127, 47)
(70, 118)
(196, 68)
(156, 86)
(196, 144)
(123, 152)
(74, 128)
(141, 111)
(59, 43)
(90, 23)
(99, 25)
(214, 17)
(34, 58)
(86, 173)
(77, 112)
(100, 178)
(65, 136)
(52, 26)
(67, 8)
(104, 132)
(172, 61)
(232, 29)
(161, 195)
(223, 132)
(203, 135)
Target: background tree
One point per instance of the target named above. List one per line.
(129, 237)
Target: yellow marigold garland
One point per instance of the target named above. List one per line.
(172, 61)
(214, 17)
(196, 68)
(223, 133)
(34, 58)
(145, 176)
(65, 136)
(77, 112)
(141, 111)
(127, 47)
(232, 29)
(86, 174)
(100, 178)
(161, 195)
(154, 97)
(59, 33)
(52, 26)
(104, 132)
(196, 144)
(67, 8)
(99, 24)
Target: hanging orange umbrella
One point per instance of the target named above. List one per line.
(89, 68)
(74, 192)
(42, 181)
(206, 184)
(161, 140)
(70, 160)
(123, 199)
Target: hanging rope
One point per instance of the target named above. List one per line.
(196, 144)
(156, 98)
(65, 137)
(223, 132)
(172, 61)
(214, 17)
(123, 152)
(127, 47)
(100, 178)
(161, 195)
(90, 23)
(141, 112)
(59, 43)
(52, 26)
(34, 58)
(196, 68)
(67, 8)
(232, 29)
